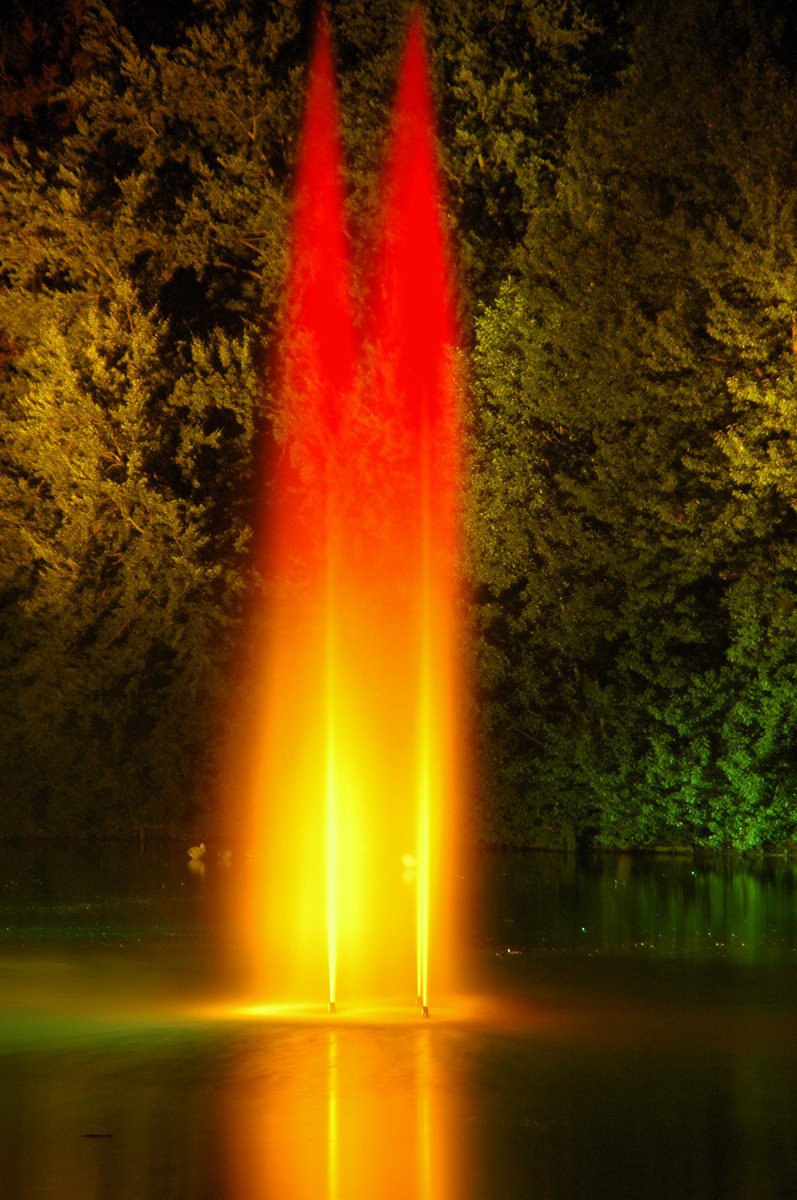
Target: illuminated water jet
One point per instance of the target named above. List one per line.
(413, 345)
(349, 751)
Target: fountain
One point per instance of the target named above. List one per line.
(350, 759)
(630, 1027)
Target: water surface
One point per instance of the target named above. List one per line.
(630, 1032)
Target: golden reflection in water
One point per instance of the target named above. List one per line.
(320, 1113)
(333, 1082)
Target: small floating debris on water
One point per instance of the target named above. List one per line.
(196, 859)
(96, 1135)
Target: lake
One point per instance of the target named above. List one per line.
(629, 1030)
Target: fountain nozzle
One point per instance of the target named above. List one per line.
(332, 1006)
(425, 1012)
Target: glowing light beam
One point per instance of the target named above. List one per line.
(349, 753)
(414, 336)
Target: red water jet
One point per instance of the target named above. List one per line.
(287, 742)
(352, 747)
(415, 398)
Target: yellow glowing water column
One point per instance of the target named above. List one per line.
(348, 745)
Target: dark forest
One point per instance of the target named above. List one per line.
(622, 193)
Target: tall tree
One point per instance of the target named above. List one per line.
(633, 383)
(145, 183)
(129, 403)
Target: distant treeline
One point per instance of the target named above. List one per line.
(622, 191)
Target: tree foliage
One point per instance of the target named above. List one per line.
(632, 491)
(131, 395)
(145, 185)
(621, 191)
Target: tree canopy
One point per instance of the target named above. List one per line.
(622, 195)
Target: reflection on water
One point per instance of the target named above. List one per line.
(244, 1114)
(106, 1113)
(635, 1037)
(685, 907)
(341, 1114)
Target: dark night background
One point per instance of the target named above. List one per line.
(622, 191)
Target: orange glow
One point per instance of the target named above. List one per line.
(345, 1114)
(413, 341)
(347, 755)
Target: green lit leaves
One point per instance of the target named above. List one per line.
(634, 467)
